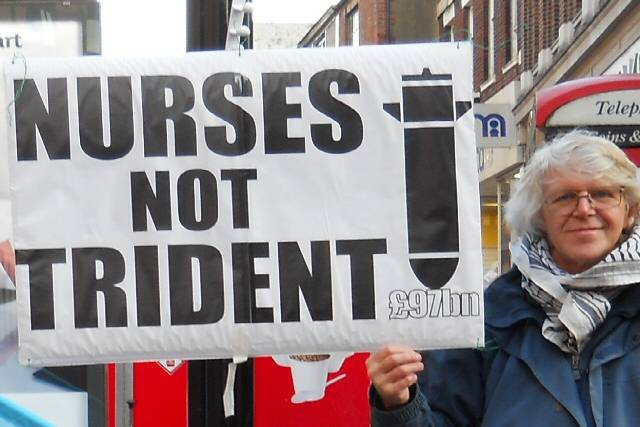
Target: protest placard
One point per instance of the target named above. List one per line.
(272, 202)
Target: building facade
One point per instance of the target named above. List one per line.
(72, 395)
(367, 22)
(520, 47)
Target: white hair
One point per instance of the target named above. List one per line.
(576, 152)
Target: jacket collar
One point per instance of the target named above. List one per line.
(506, 303)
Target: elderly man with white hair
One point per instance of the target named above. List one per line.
(562, 326)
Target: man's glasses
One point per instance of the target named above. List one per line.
(600, 198)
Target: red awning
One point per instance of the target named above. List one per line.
(548, 100)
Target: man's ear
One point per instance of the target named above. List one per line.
(632, 213)
(538, 220)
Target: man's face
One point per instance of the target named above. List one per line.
(583, 230)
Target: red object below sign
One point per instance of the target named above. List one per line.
(111, 395)
(161, 398)
(170, 365)
(345, 403)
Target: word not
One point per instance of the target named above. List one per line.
(420, 303)
(196, 210)
(103, 270)
(173, 98)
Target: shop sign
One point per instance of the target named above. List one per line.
(40, 38)
(622, 136)
(494, 125)
(616, 108)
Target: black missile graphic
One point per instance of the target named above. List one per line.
(428, 112)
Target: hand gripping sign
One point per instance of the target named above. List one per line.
(219, 205)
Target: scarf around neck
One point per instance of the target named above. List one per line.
(575, 304)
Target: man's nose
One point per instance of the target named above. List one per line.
(584, 204)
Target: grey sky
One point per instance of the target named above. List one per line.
(290, 11)
(161, 31)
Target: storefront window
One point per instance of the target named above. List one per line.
(65, 28)
(61, 396)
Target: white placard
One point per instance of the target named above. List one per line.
(276, 202)
(20, 41)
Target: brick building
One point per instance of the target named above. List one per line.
(510, 36)
(522, 46)
(366, 22)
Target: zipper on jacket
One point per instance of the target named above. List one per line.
(575, 366)
(581, 377)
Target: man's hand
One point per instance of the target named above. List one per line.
(8, 259)
(392, 370)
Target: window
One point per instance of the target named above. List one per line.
(321, 41)
(63, 395)
(511, 47)
(469, 23)
(353, 27)
(39, 26)
(490, 40)
(331, 34)
(447, 34)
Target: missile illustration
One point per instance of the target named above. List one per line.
(428, 111)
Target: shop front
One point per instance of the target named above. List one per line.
(69, 396)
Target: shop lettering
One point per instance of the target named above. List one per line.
(5, 42)
(173, 98)
(101, 270)
(615, 137)
(618, 108)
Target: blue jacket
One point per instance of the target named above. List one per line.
(521, 379)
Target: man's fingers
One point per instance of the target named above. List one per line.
(388, 359)
(392, 370)
(8, 259)
(402, 375)
(397, 360)
(396, 388)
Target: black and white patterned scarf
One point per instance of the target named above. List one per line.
(575, 304)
